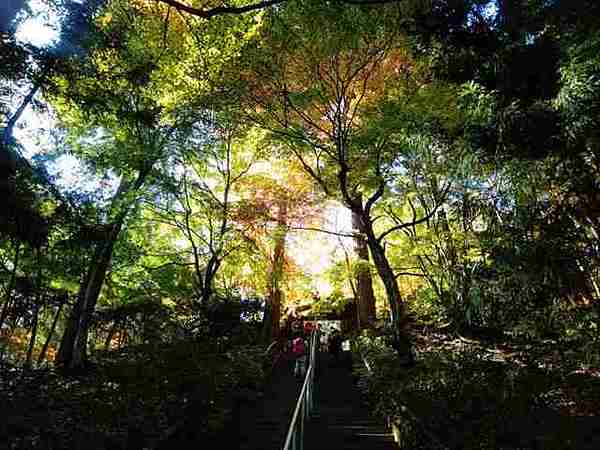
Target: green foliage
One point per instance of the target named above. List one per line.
(427, 307)
(333, 303)
(477, 104)
(461, 397)
(479, 124)
(577, 99)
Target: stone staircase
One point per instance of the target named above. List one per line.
(342, 421)
(263, 423)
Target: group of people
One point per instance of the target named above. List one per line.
(330, 340)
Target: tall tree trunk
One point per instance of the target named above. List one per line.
(465, 273)
(36, 313)
(275, 313)
(111, 333)
(50, 333)
(365, 299)
(385, 272)
(511, 14)
(402, 341)
(10, 124)
(207, 281)
(36, 310)
(273, 308)
(11, 284)
(72, 353)
(8, 161)
(390, 283)
(267, 322)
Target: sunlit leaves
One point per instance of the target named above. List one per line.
(578, 96)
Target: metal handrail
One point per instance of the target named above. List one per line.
(295, 436)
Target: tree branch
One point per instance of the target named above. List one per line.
(219, 10)
(411, 274)
(222, 10)
(409, 224)
(416, 222)
(369, 2)
(324, 231)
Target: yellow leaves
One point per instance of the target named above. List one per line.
(166, 301)
(105, 19)
(104, 60)
(254, 29)
(258, 17)
(47, 208)
(152, 6)
(213, 52)
(145, 4)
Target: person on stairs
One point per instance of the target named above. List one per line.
(335, 346)
(299, 352)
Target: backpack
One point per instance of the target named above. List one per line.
(298, 346)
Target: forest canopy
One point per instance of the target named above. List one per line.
(211, 137)
(199, 169)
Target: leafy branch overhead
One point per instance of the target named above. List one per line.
(212, 11)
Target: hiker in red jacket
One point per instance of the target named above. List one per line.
(299, 351)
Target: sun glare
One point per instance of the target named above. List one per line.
(41, 28)
(314, 251)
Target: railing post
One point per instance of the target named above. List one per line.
(302, 414)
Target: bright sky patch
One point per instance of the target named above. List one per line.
(41, 28)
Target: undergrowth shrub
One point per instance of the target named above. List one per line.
(462, 398)
(130, 399)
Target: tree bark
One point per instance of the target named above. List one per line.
(273, 308)
(365, 298)
(111, 333)
(385, 272)
(10, 124)
(72, 353)
(206, 281)
(50, 333)
(267, 323)
(511, 13)
(388, 278)
(33, 336)
(36, 313)
(275, 313)
(11, 284)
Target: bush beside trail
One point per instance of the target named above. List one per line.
(466, 393)
(132, 399)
